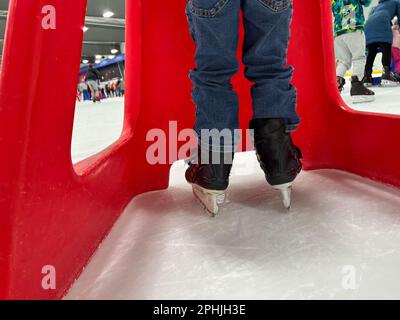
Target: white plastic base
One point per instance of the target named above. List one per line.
(340, 241)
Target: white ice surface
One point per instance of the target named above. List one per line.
(165, 246)
(387, 100)
(96, 126)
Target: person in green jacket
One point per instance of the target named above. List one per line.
(350, 44)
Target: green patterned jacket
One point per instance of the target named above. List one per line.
(348, 15)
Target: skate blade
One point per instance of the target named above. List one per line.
(210, 199)
(286, 192)
(361, 99)
(389, 84)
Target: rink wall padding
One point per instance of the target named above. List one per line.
(54, 213)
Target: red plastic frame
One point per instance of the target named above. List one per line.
(54, 214)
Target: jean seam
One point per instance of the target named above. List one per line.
(276, 6)
(207, 13)
(191, 26)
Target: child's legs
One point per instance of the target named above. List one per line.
(396, 58)
(214, 25)
(372, 52)
(91, 89)
(343, 56)
(386, 54)
(267, 28)
(356, 44)
(94, 89)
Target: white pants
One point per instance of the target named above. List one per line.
(350, 50)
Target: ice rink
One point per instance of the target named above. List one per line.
(340, 240)
(96, 126)
(387, 100)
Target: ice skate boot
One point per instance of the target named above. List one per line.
(209, 176)
(278, 156)
(340, 82)
(367, 80)
(388, 79)
(359, 93)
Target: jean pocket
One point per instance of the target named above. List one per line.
(277, 5)
(206, 8)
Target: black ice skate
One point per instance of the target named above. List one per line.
(278, 156)
(367, 80)
(209, 176)
(388, 79)
(340, 82)
(359, 93)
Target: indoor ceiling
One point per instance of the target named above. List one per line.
(103, 34)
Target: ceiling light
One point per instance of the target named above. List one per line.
(85, 29)
(111, 57)
(108, 14)
(97, 61)
(114, 51)
(85, 61)
(98, 56)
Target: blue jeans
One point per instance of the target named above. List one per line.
(214, 26)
